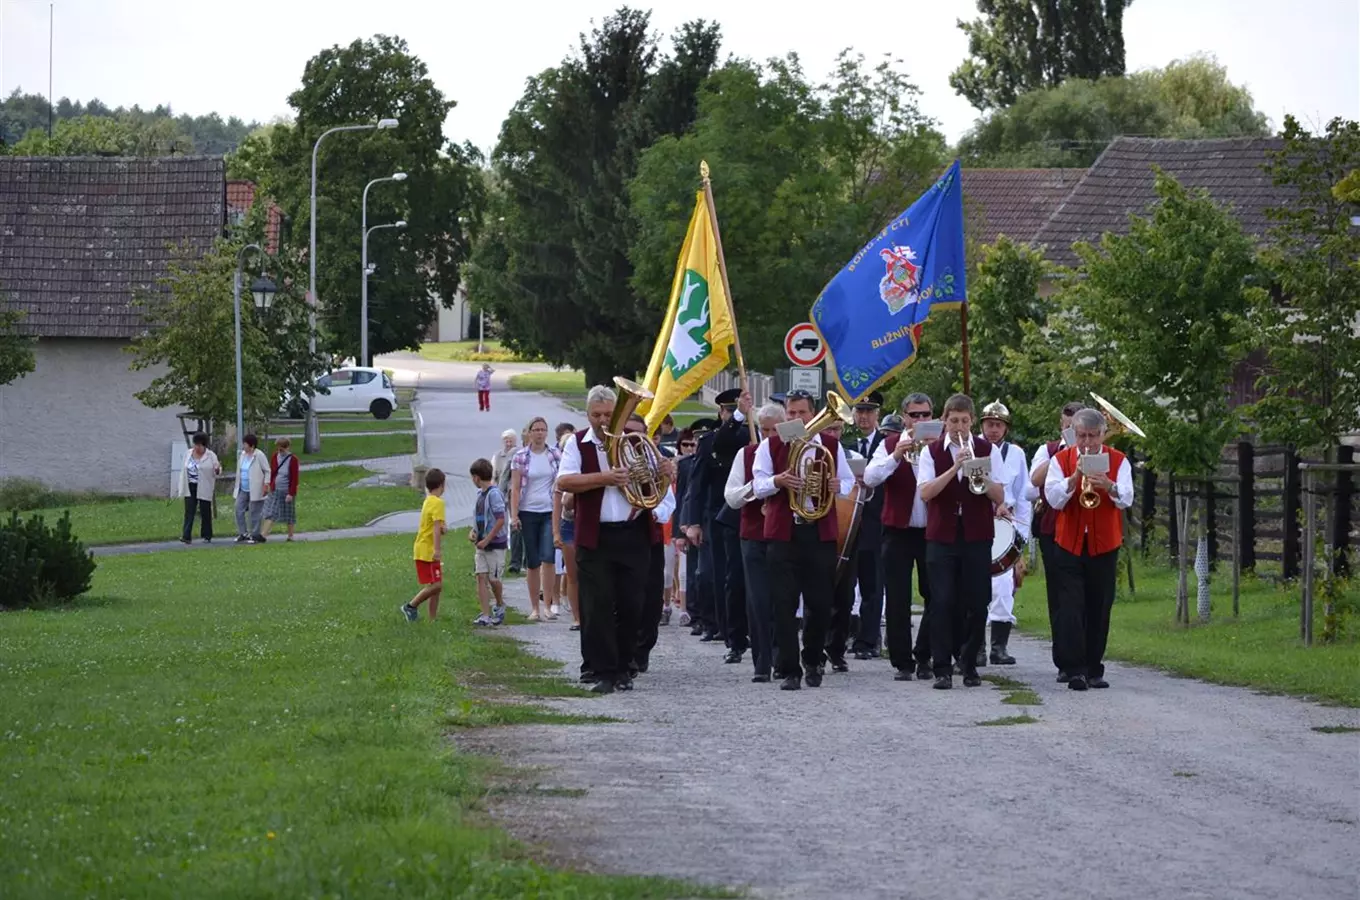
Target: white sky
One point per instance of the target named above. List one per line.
(243, 58)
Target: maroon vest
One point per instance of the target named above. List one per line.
(752, 519)
(778, 514)
(1048, 522)
(588, 503)
(941, 513)
(899, 491)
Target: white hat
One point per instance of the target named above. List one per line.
(509, 432)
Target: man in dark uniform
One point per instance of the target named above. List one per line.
(716, 528)
(697, 602)
(866, 566)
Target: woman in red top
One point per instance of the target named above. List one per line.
(283, 475)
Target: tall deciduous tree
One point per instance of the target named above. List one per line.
(1023, 45)
(107, 136)
(363, 82)
(1312, 381)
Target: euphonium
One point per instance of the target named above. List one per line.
(977, 481)
(1116, 423)
(812, 462)
(633, 451)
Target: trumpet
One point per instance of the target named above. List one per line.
(1088, 498)
(977, 481)
(916, 445)
(635, 452)
(812, 463)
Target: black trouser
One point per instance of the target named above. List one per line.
(805, 565)
(904, 549)
(611, 580)
(738, 629)
(1085, 595)
(713, 573)
(204, 509)
(961, 580)
(1051, 577)
(694, 591)
(842, 602)
(869, 571)
(759, 609)
(653, 599)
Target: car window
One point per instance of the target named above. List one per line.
(341, 378)
(387, 382)
(363, 377)
(324, 381)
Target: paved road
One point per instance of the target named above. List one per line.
(1157, 788)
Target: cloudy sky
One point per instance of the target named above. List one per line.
(243, 58)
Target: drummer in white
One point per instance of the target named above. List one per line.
(1010, 536)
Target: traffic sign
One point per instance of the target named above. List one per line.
(803, 346)
(806, 379)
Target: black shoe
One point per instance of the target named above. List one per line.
(923, 672)
(1077, 683)
(589, 678)
(958, 668)
(624, 684)
(902, 675)
(838, 664)
(1000, 656)
(972, 680)
(709, 637)
(944, 683)
(258, 539)
(863, 654)
(761, 679)
(185, 541)
(696, 630)
(792, 683)
(874, 653)
(642, 666)
(241, 539)
(1097, 682)
(813, 677)
(980, 661)
(603, 686)
(1064, 678)
(733, 656)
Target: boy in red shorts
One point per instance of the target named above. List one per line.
(429, 540)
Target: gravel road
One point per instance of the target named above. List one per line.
(870, 788)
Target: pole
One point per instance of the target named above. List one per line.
(727, 289)
(51, 104)
(481, 331)
(236, 305)
(963, 319)
(363, 281)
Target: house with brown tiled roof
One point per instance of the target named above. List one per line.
(241, 196)
(79, 237)
(1014, 202)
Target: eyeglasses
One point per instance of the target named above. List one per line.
(687, 443)
(798, 395)
(918, 415)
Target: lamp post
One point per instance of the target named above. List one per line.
(363, 268)
(263, 291)
(311, 441)
(368, 270)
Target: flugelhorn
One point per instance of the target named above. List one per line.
(1116, 423)
(633, 451)
(812, 463)
(977, 480)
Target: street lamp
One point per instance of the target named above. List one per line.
(369, 270)
(363, 268)
(262, 290)
(311, 441)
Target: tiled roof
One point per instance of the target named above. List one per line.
(79, 236)
(1014, 202)
(241, 197)
(1120, 182)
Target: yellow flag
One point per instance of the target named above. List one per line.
(698, 331)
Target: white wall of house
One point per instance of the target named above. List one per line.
(456, 323)
(73, 422)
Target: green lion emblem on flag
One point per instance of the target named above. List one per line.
(689, 344)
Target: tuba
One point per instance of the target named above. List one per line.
(812, 463)
(1116, 423)
(977, 481)
(633, 451)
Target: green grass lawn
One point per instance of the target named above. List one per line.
(568, 381)
(325, 501)
(202, 726)
(294, 428)
(466, 351)
(1260, 649)
(337, 449)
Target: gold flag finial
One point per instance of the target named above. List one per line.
(703, 169)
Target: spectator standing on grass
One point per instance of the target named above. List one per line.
(429, 549)
(252, 486)
(281, 506)
(487, 534)
(483, 380)
(197, 485)
(531, 515)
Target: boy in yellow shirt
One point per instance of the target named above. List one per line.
(428, 548)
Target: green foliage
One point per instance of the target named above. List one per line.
(1071, 123)
(106, 136)
(164, 132)
(16, 350)
(363, 82)
(192, 333)
(1312, 392)
(938, 369)
(1347, 190)
(41, 564)
(802, 174)
(252, 159)
(1025, 45)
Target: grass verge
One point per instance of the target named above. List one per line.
(293, 428)
(567, 381)
(1259, 649)
(325, 501)
(339, 449)
(466, 351)
(272, 729)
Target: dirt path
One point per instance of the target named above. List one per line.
(870, 788)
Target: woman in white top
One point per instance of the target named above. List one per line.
(197, 484)
(531, 505)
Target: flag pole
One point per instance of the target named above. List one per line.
(963, 319)
(727, 291)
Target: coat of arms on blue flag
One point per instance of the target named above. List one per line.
(869, 315)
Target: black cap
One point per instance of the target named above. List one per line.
(778, 397)
(699, 425)
(874, 400)
(728, 397)
(892, 423)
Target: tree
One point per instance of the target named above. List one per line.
(252, 158)
(1023, 45)
(107, 136)
(364, 82)
(188, 317)
(22, 113)
(1069, 125)
(1312, 380)
(16, 350)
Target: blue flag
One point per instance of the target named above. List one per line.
(870, 314)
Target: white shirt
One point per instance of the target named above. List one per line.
(881, 468)
(925, 468)
(1017, 487)
(613, 506)
(666, 508)
(1055, 486)
(763, 472)
(738, 488)
(1040, 457)
(538, 487)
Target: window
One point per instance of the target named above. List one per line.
(342, 378)
(324, 381)
(363, 377)
(387, 382)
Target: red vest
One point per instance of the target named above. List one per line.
(588, 503)
(899, 491)
(1102, 527)
(942, 512)
(752, 519)
(1049, 521)
(778, 514)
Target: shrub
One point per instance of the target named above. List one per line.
(41, 564)
(23, 494)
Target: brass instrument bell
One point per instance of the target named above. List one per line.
(635, 452)
(812, 462)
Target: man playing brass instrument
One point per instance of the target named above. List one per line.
(802, 552)
(1046, 517)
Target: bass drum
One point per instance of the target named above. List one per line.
(1005, 546)
(849, 513)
